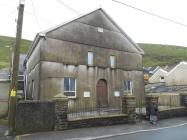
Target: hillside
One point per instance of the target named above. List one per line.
(5, 49)
(163, 55)
(155, 54)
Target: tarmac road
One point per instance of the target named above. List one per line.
(172, 133)
(168, 129)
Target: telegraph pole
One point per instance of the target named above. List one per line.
(14, 78)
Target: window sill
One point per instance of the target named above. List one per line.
(71, 97)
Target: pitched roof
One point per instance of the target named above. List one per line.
(177, 66)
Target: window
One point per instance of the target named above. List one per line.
(90, 58)
(128, 87)
(100, 29)
(70, 87)
(112, 61)
(161, 78)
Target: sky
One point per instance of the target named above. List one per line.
(40, 15)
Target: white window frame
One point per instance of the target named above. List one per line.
(112, 61)
(90, 58)
(128, 91)
(69, 87)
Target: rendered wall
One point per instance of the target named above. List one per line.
(32, 73)
(155, 78)
(52, 75)
(76, 54)
(4, 93)
(63, 52)
(178, 76)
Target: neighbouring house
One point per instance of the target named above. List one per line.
(177, 75)
(89, 58)
(5, 86)
(158, 76)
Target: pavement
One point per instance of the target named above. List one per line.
(3, 128)
(106, 132)
(168, 133)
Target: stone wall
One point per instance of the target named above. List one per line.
(61, 108)
(34, 116)
(173, 112)
(128, 107)
(99, 121)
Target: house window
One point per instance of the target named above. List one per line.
(161, 78)
(70, 87)
(112, 61)
(128, 87)
(90, 58)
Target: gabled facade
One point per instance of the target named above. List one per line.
(158, 76)
(89, 57)
(177, 75)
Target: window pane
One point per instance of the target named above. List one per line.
(112, 61)
(128, 85)
(90, 58)
(66, 84)
(72, 84)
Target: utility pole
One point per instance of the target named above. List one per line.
(14, 78)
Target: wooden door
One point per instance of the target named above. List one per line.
(102, 95)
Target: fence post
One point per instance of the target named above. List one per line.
(61, 112)
(128, 107)
(150, 99)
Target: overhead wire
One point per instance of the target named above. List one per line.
(68, 7)
(37, 21)
(152, 14)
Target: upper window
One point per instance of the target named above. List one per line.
(128, 86)
(90, 58)
(70, 87)
(161, 78)
(112, 61)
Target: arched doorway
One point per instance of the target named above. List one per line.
(102, 94)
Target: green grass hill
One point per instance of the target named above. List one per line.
(162, 55)
(6, 44)
(155, 54)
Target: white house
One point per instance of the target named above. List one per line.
(158, 76)
(178, 75)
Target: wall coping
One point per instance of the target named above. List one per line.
(99, 117)
(129, 96)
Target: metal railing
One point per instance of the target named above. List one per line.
(81, 108)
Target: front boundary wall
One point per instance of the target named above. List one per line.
(171, 112)
(36, 116)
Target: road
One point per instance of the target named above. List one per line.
(116, 132)
(174, 133)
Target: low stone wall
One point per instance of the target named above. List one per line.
(37, 116)
(99, 121)
(34, 116)
(172, 112)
